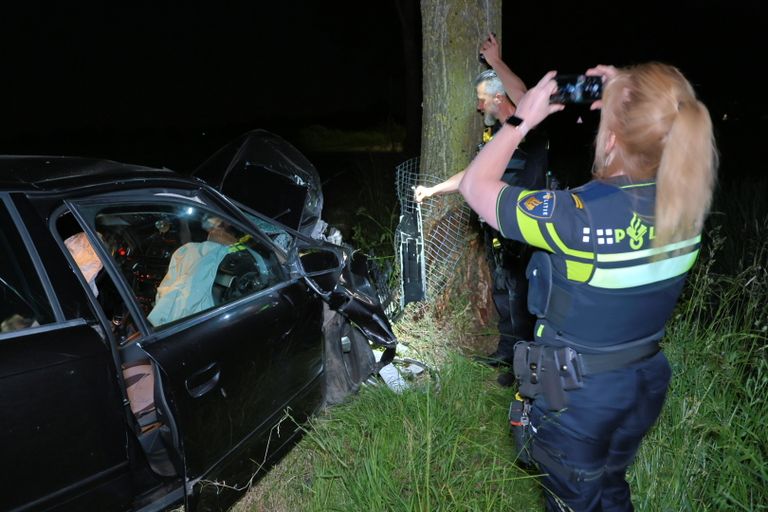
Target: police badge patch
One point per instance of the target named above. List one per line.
(539, 205)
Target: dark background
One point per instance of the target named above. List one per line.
(167, 83)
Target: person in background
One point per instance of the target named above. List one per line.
(498, 90)
(612, 260)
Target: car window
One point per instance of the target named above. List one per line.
(86, 261)
(24, 303)
(181, 260)
(276, 232)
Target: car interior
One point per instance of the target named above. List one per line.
(162, 250)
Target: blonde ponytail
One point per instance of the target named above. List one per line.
(686, 176)
(661, 131)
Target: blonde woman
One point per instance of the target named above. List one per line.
(613, 260)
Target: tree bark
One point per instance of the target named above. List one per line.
(452, 31)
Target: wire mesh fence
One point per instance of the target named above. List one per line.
(429, 239)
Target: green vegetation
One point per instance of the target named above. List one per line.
(448, 447)
(441, 447)
(445, 445)
(709, 450)
(387, 138)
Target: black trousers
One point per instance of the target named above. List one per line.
(584, 450)
(508, 260)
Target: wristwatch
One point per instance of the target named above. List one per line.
(518, 123)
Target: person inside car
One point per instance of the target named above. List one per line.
(187, 286)
(17, 322)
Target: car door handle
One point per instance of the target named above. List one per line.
(203, 381)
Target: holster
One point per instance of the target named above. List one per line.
(548, 371)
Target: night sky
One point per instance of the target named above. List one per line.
(166, 83)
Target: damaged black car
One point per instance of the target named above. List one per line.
(164, 337)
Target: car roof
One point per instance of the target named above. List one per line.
(50, 173)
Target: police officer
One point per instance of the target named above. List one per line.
(526, 168)
(613, 258)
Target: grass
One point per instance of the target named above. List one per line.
(428, 449)
(387, 138)
(709, 448)
(447, 447)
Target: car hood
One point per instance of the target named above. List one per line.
(266, 173)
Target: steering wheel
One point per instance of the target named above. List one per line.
(245, 284)
(239, 275)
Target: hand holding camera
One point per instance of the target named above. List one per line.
(577, 89)
(606, 74)
(583, 89)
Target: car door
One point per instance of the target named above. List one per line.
(237, 341)
(62, 427)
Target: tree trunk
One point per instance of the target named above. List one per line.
(452, 31)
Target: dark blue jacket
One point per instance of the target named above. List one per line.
(601, 282)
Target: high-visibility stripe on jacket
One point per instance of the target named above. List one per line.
(606, 283)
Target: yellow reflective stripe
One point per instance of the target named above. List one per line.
(529, 227)
(626, 256)
(567, 250)
(647, 273)
(636, 185)
(540, 330)
(578, 271)
(498, 210)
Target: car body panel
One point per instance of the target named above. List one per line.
(61, 414)
(244, 170)
(231, 370)
(232, 383)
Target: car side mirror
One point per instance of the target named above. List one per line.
(322, 268)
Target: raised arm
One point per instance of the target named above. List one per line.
(513, 85)
(482, 183)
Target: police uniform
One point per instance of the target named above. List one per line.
(507, 258)
(602, 293)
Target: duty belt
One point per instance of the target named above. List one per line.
(543, 369)
(599, 363)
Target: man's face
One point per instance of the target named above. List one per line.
(487, 105)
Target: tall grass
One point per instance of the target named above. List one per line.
(448, 447)
(709, 450)
(436, 448)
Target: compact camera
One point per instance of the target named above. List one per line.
(577, 89)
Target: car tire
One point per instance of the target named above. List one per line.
(349, 360)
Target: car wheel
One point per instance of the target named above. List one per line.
(349, 360)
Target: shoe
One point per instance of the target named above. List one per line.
(506, 379)
(496, 359)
